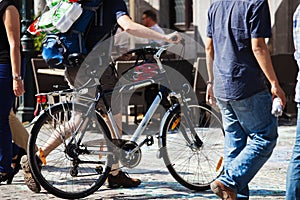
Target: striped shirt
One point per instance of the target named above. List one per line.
(296, 37)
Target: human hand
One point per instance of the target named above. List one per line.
(277, 91)
(174, 37)
(210, 99)
(18, 87)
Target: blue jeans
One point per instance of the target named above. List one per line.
(293, 172)
(250, 137)
(6, 101)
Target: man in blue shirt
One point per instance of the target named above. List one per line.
(238, 62)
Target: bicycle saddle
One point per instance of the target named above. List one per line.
(75, 59)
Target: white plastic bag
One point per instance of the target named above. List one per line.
(59, 18)
(52, 3)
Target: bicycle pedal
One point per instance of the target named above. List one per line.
(149, 140)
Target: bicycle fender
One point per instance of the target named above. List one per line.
(170, 111)
(32, 121)
(41, 112)
(48, 110)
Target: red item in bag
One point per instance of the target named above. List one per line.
(32, 28)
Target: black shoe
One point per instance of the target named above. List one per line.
(122, 180)
(7, 177)
(17, 166)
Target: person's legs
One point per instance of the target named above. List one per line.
(7, 148)
(6, 102)
(20, 137)
(293, 172)
(61, 131)
(77, 77)
(254, 116)
(116, 178)
(235, 137)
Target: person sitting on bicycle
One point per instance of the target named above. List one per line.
(115, 14)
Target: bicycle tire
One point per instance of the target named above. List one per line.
(60, 175)
(194, 167)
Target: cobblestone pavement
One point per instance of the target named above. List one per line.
(157, 183)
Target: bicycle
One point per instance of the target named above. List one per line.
(190, 138)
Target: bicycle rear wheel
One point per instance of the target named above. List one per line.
(192, 163)
(73, 169)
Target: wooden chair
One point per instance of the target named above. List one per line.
(45, 79)
(200, 78)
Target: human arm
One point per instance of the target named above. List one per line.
(139, 30)
(12, 25)
(209, 49)
(263, 58)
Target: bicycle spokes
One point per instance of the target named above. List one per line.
(193, 150)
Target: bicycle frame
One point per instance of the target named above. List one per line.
(86, 144)
(140, 84)
(163, 80)
(155, 104)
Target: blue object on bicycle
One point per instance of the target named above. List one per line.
(57, 47)
(53, 51)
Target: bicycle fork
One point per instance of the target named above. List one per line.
(197, 142)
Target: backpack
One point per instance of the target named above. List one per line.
(65, 37)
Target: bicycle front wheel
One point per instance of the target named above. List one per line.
(68, 153)
(192, 162)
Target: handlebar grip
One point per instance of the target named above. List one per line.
(174, 38)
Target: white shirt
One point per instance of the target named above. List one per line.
(296, 36)
(159, 30)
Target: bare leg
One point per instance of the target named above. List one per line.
(62, 131)
(118, 118)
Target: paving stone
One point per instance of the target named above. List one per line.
(157, 183)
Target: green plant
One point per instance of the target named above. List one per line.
(37, 41)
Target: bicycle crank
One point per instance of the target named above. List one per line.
(130, 154)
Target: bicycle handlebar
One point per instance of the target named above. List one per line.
(155, 51)
(150, 49)
(157, 55)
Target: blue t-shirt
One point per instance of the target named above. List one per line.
(231, 25)
(106, 21)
